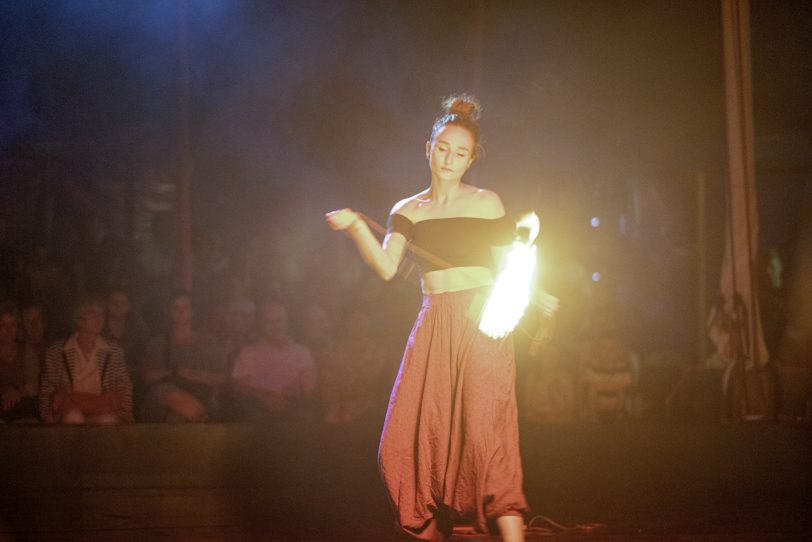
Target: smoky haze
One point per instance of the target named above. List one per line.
(296, 108)
(333, 99)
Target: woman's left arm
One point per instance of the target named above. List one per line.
(384, 258)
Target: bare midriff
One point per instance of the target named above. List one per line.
(456, 279)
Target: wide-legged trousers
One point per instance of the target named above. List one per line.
(449, 451)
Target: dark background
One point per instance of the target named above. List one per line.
(592, 109)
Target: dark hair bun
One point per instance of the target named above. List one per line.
(464, 106)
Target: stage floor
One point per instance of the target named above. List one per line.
(235, 535)
(294, 484)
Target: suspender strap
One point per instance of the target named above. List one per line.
(104, 365)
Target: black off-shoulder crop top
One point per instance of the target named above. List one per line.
(453, 242)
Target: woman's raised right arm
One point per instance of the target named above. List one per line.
(384, 258)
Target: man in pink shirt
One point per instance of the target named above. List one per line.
(274, 376)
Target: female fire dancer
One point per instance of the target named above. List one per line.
(450, 445)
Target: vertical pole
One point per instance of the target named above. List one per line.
(184, 255)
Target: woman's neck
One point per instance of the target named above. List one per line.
(443, 192)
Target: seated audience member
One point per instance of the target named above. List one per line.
(549, 390)
(35, 329)
(85, 378)
(274, 377)
(129, 331)
(350, 378)
(607, 377)
(36, 335)
(19, 371)
(124, 327)
(184, 370)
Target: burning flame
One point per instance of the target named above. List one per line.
(511, 292)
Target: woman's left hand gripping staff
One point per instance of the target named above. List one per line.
(342, 219)
(383, 259)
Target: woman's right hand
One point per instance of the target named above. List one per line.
(342, 219)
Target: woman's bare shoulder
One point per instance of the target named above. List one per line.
(488, 203)
(408, 206)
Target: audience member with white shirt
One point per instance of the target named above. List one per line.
(85, 378)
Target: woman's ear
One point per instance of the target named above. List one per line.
(428, 150)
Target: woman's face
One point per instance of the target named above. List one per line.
(451, 152)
